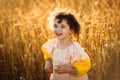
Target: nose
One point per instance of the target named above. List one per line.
(57, 29)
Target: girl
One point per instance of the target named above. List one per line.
(65, 59)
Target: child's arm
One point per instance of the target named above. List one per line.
(48, 61)
(48, 49)
(81, 67)
(78, 68)
(80, 61)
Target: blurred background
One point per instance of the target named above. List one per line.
(24, 28)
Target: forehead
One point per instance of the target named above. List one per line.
(58, 21)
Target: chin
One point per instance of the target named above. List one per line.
(59, 38)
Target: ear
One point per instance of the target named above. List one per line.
(71, 31)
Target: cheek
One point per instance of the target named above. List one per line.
(54, 29)
(66, 31)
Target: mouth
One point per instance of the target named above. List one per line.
(58, 34)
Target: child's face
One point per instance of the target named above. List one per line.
(62, 29)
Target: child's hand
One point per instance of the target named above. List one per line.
(48, 66)
(64, 69)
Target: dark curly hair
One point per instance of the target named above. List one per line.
(71, 20)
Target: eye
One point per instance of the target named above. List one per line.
(55, 26)
(62, 26)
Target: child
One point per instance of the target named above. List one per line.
(65, 59)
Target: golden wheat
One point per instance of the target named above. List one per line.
(24, 28)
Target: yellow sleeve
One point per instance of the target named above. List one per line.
(47, 56)
(81, 67)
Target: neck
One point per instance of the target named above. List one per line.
(64, 43)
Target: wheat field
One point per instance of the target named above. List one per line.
(24, 28)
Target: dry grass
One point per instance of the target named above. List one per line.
(23, 29)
